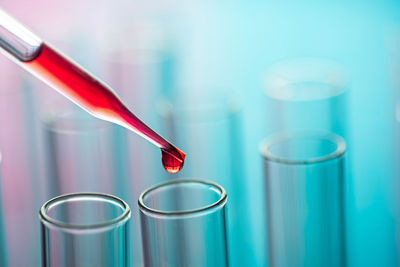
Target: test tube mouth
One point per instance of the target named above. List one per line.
(120, 214)
(195, 106)
(71, 121)
(305, 79)
(218, 192)
(302, 147)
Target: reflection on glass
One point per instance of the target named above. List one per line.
(85, 229)
(183, 224)
(304, 199)
(208, 128)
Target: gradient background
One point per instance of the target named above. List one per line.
(233, 43)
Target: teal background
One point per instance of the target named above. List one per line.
(233, 43)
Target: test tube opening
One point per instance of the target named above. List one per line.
(182, 197)
(84, 211)
(302, 147)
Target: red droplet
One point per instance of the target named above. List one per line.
(172, 159)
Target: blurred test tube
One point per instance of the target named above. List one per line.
(139, 67)
(208, 128)
(306, 94)
(22, 188)
(80, 154)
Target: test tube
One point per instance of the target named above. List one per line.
(80, 154)
(208, 126)
(304, 176)
(140, 73)
(85, 229)
(300, 87)
(21, 181)
(183, 224)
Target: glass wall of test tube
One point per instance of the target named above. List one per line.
(183, 224)
(85, 229)
(208, 127)
(80, 154)
(304, 177)
(22, 185)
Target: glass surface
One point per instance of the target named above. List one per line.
(85, 229)
(208, 127)
(80, 154)
(16, 39)
(300, 87)
(183, 224)
(304, 177)
(139, 75)
(22, 186)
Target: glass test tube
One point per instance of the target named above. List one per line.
(208, 127)
(297, 88)
(80, 154)
(85, 229)
(304, 199)
(139, 75)
(22, 187)
(183, 224)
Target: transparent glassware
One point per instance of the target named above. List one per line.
(22, 185)
(80, 154)
(300, 87)
(85, 229)
(208, 127)
(304, 177)
(183, 224)
(139, 75)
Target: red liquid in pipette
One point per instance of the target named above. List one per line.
(98, 99)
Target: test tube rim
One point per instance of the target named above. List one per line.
(49, 120)
(275, 73)
(44, 218)
(276, 137)
(222, 108)
(191, 212)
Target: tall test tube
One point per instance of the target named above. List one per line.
(183, 224)
(80, 151)
(140, 75)
(85, 229)
(306, 94)
(22, 187)
(304, 176)
(209, 128)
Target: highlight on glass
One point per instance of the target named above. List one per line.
(183, 224)
(304, 177)
(85, 229)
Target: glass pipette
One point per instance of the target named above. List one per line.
(77, 84)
